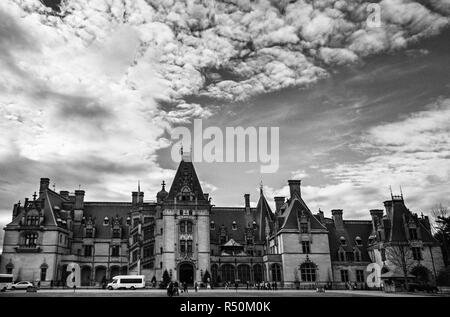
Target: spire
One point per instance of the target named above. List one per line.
(139, 186)
(390, 189)
(163, 185)
(261, 187)
(401, 193)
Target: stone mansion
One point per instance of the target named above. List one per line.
(183, 233)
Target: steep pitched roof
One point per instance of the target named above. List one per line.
(186, 176)
(224, 216)
(264, 217)
(293, 212)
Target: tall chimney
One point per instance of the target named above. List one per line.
(337, 218)
(141, 198)
(79, 199)
(134, 198)
(376, 215)
(64, 193)
(45, 182)
(294, 187)
(279, 201)
(247, 200)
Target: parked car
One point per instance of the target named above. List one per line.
(423, 287)
(22, 285)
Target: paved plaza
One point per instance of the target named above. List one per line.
(207, 293)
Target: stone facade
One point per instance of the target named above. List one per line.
(183, 234)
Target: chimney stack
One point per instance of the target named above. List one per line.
(141, 198)
(79, 199)
(279, 201)
(247, 200)
(64, 193)
(294, 187)
(337, 218)
(134, 198)
(45, 182)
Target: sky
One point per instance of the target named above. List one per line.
(90, 92)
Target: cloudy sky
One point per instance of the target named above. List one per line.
(90, 91)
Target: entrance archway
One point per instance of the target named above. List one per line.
(186, 273)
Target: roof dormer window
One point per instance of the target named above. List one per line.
(106, 221)
(358, 241)
(343, 241)
(234, 225)
(212, 225)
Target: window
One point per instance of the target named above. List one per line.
(304, 227)
(134, 256)
(234, 225)
(244, 273)
(249, 239)
(43, 273)
(88, 250)
(417, 254)
(358, 241)
(223, 239)
(189, 246)
(116, 233)
(9, 270)
(357, 256)
(135, 238)
(344, 275)
(212, 252)
(341, 255)
(32, 220)
(276, 273)
(115, 250)
(148, 233)
(185, 226)
(89, 233)
(148, 251)
(257, 273)
(161, 231)
(412, 234)
(308, 272)
(228, 273)
(135, 222)
(360, 276)
(31, 240)
(343, 241)
(212, 226)
(105, 221)
(183, 246)
(306, 247)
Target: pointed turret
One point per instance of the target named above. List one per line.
(264, 216)
(186, 185)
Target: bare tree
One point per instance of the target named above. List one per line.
(441, 227)
(400, 255)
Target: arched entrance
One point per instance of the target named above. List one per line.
(186, 273)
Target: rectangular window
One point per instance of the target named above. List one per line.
(183, 246)
(88, 250)
(417, 254)
(134, 256)
(344, 275)
(43, 273)
(357, 256)
(148, 251)
(9, 270)
(189, 246)
(304, 227)
(148, 233)
(89, 233)
(341, 256)
(116, 233)
(412, 234)
(135, 222)
(306, 248)
(135, 238)
(115, 250)
(360, 276)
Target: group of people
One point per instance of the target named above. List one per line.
(173, 288)
(258, 285)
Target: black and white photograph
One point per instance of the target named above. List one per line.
(221, 155)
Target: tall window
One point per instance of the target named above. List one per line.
(244, 273)
(43, 273)
(360, 276)
(341, 255)
(357, 256)
(148, 233)
(276, 272)
(412, 234)
(344, 275)
(228, 273)
(31, 240)
(148, 251)
(234, 225)
(116, 233)
(358, 241)
(343, 241)
(115, 250)
(257, 273)
(88, 250)
(304, 227)
(183, 246)
(417, 254)
(134, 256)
(212, 226)
(306, 248)
(308, 272)
(185, 226)
(135, 222)
(189, 246)
(89, 233)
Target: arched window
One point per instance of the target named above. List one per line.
(308, 272)
(343, 241)
(228, 273)
(257, 273)
(358, 241)
(106, 221)
(214, 272)
(234, 225)
(276, 272)
(212, 225)
(244, 273)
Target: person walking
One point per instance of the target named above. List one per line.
(196, 287)
(185, 287)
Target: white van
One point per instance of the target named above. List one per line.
(6, 281)
(127, 282)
